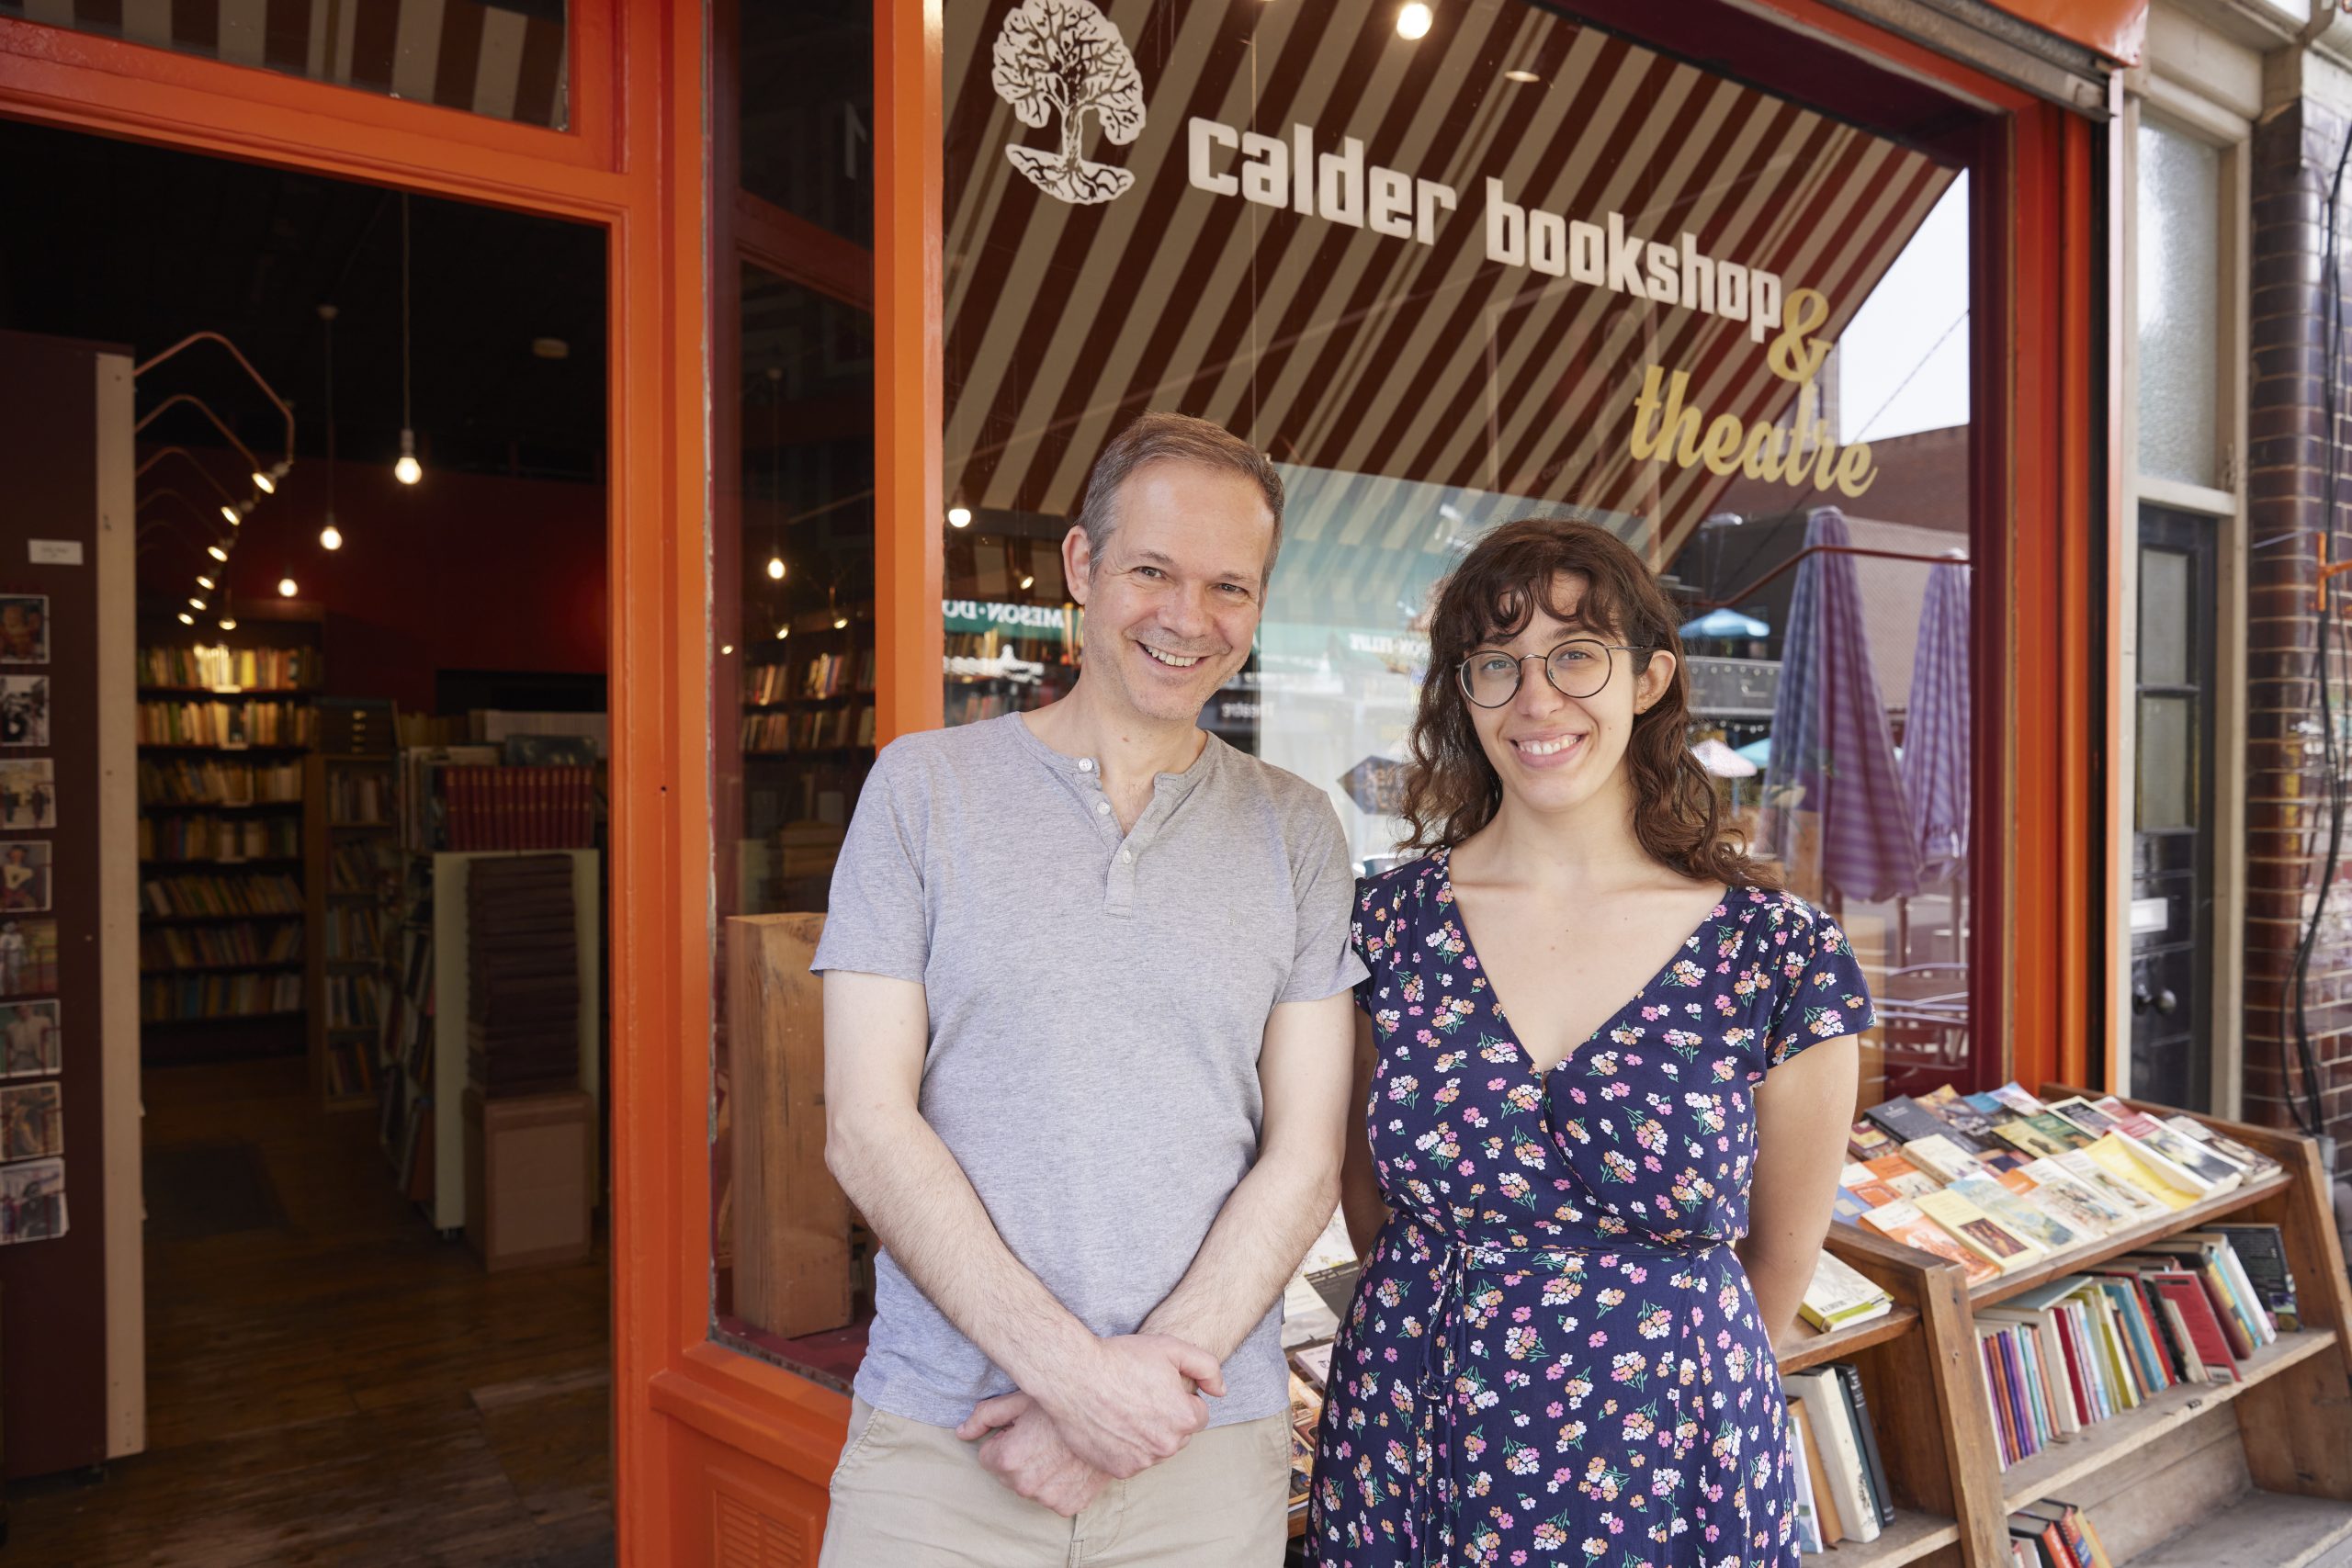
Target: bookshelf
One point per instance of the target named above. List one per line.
(351, 875)
(806, 737)
(224, 722)
(2284, 1430)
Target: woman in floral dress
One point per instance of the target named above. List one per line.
(1593, 1210)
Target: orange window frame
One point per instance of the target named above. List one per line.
(697, 1425)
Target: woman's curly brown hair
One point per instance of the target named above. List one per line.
(1450, 789)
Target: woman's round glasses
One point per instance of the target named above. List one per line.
(1578, 668)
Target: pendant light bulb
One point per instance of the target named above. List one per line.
(330, 536)
(959, 517)
(286, 589)
(775, 568)
(408, 470)
(1413, 21)
(840, 623)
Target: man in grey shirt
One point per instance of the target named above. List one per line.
(1087, 1054)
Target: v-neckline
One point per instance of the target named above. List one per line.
(1494, 993)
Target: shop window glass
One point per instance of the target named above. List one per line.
(2178, 257)
(805, 104)
(792, 739)
(1518, 265)
(506, 59)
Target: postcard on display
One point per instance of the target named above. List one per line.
(27, 792)
(27, 956)
(24, 876)
(24, 710)
(32, 1121)
(32, 1202)
(29, 1039)
(24, 629)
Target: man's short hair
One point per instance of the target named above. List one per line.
(1161, 437)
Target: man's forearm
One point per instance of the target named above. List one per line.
(1266, 1226)
(916, 1198)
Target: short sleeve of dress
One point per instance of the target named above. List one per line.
(1822, 995)
(1364, 940)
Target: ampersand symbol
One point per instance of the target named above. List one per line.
(1792, 356)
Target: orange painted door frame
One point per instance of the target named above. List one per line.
(719, 1457)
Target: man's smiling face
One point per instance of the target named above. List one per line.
(1172, 602)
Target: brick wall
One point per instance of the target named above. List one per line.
(2294, 154)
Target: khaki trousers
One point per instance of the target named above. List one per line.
(909, 1495)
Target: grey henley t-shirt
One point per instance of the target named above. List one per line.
(1097, 1004)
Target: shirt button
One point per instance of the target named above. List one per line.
(1085, 764)
(1102, 808)
(1126, 857)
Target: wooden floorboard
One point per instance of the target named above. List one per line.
(345, 1388)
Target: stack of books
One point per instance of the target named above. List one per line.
(1839, 1297)
(523, 978)
(2000, 1182)
(2085, 1347)
(1841, 1488)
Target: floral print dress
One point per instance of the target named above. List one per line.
(1553, 1355)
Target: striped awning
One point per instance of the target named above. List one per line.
(504, 58)
(1355, 353)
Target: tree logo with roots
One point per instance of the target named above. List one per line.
(1061, 61)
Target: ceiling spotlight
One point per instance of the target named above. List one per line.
(725, 649)
(206, 583)
(783, 632)
(959, 517)
(228, 622)
(1521, 76)
(231, 512)
(216, 552)
(1413, 21)
(775, 568)
(840, 623)
(194, 602)
(264, 483)
(408, 470)
(1028, 581)
(286, 588)
(186, 619)
(331, 536)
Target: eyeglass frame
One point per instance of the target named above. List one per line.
(1519, 671)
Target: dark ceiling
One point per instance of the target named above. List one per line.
(134, 244)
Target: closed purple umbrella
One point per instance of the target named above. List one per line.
(1832, 753)
(1936, 737)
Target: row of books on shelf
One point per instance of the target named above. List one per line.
(970, 704)
(364, 866)
(1839, 1475)
(355, 931)
(825, 675)
(2193, 1307)
(220, 668)
(249, 893)
(351, 1001)
(360, 797)
(405, 1027)
(811, 730)
(349, 1073)
(216, 781)
(2051, 1534)
(2000, 1182)
(226, 723)
(176, 999)
(198, 837)
(518, 809)
(205, 947)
